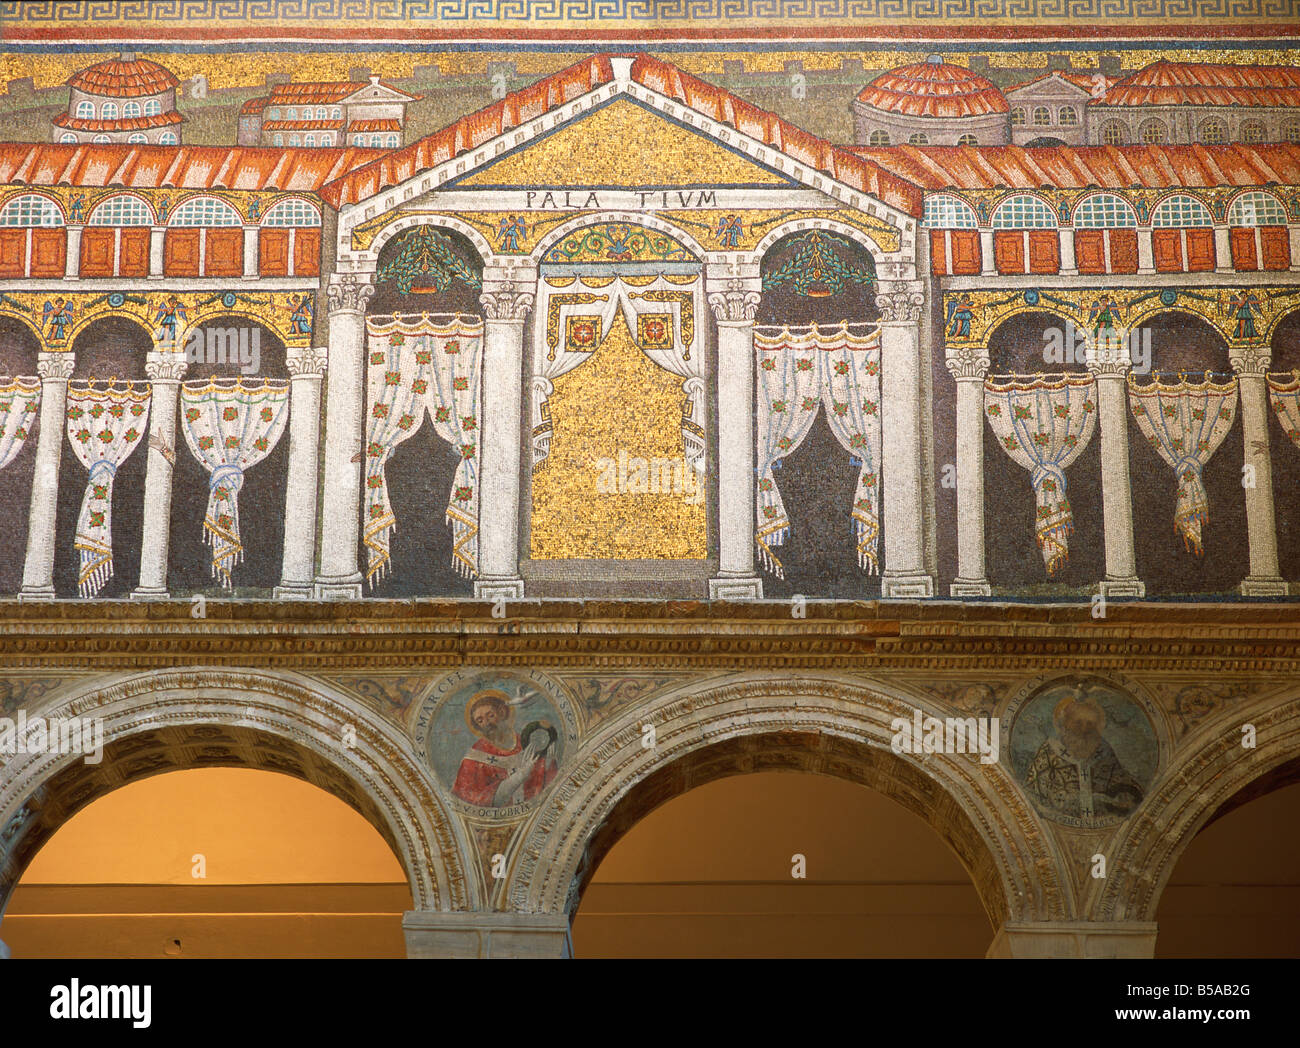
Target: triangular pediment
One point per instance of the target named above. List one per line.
(623, 144)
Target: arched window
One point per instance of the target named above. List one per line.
(337, 113)
(878, 138)
(1213, 132)
(31, 211)
(292, 213)
(1291, 131)
(294, 140)
(152, 107)
(85, 110)
(131, 110)
(919, 139)
(1256, 209)
(948, 212)
(309, 140)
(1104, 211)
(110, 111)
(1113, 133)
(291, 113)
(68, 138)
(1153, 133)
(167, 138)
(327, 140)
(1023, 212)
(392, 141)
(321, 113)
(279, 139)
(1067, 116)
(101, 140)
(968, 140)
(1018, 117)
(1180, 212)
(274, 113)
(1252, 131)
(121, 211)
(1042, 116)
(205, 211)
(136, 139)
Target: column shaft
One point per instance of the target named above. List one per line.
(1116, 494)
(38, 566)
(1265, 579)
(298, 568)
(972, 579)
(165, 371)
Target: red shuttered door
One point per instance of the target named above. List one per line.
(49, 252)
(1200, 250)
(98, 245)
(306, 252)
(1123, 250)
(273, 252)
(181, 253)
(1090, 250)
(966, 257)
(1243, 249)
(133, 258)
(225, 253)
(1277, 247)
(1009, 251)
(1044, 251)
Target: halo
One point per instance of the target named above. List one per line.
(474, 700)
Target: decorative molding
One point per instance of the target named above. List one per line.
(737, 304)
(1250, 360)
(506, 302)
(307, 361)
(899, 304)
(348, 294)
(165, 367)
(968, 362)
(54, 367)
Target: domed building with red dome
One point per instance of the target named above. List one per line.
(931, 103)
(123, 100)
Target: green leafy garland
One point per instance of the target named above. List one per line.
(824, 264)
(426, 254)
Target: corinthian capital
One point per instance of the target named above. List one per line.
(347, 294)
(55, 366)
(506, 301)
(165, 367)
(900, 304)
(1250, 360)
(306, 360)
(735, 303)
(969, 362)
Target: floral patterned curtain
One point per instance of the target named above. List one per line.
(417, 365)
(1186, 422)
(799, 370)
(105, 424)
(1284, 393)
(229, 428)
(20, 399)
(1044, 423)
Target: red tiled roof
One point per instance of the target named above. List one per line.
(1077, 167)
(933, 89)
(118, 79)
(324, 92)
(135, 123)
(374, 125)
(527, 104)
(254, 106)
(1206, 84)
(177, 167)
(303, 125)
(1086, 81)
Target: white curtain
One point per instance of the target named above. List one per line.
(20, 399)
(1186, 422)
(105, 424)
(1284, 393)
(416, 365)
(230, 427)
(1044, 423)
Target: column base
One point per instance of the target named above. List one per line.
(499, 589)
(970, 588)
(1119, 588)
(1074, 939)
(904, 586)
(476, 935)
(36, 593)
(1263, 586)
(294, 591)
(734, 587)
(345, 587)
(149, 593)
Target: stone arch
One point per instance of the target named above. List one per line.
(1202, 314)
(634, 218)
(878, 255)
(1212, 770)
(25, 321)
(824, 726)
(1021, 309)
(111, 198)
(402, 223)
(84, 323)
(155, 722)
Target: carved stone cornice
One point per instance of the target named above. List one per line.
(506, 301)
(737, 303)
(900, 303)
(55, 367)
(306, 361)
(967, 363)
(347, 294)
(165, 367)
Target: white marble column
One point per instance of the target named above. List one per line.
(251, 250)
(72, 259)
(345, 405)
(734, 300)
(987, 262)
(506, 303)
(969, 367)
(1251, 365)
(157, 235)
(165, 371)
(298, 570)
(1069, 267)
(901, 463)
(1293, 235)
(38, 566)
(1146, 250)
(1222, 250)
(1110, 367)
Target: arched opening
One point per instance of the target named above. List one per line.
(1036, 365)
(19, 352)
(232, 461)
(424, 319)
(1284, 447)
(101, 481)
(773, 864)
(1191, 378)
(1235, 891)
(818, 418)
(211, 862)
(1044, 142)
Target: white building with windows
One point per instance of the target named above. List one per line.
(125, 100)
(328, 113)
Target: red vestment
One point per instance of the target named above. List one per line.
(486, 766)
